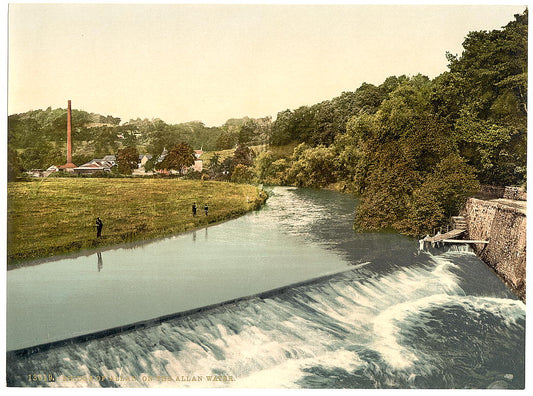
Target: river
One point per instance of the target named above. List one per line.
(361, 310)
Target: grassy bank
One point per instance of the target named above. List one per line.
(55, 216)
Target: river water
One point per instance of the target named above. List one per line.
(365, 310)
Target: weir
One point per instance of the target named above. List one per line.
(155, 321)
(73, 297)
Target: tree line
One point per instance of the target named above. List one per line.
(37, 138)
(413, 148)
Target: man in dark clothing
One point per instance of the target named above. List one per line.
(206, 209)
(194, 209)
(99, 226)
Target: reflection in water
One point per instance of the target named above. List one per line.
(100, 261)
(194, 236)
(205, 235)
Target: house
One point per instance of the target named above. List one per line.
(163, 155)
(51, 170)
(112, 159)
(143, 159)
(43, 173)
(198, 165)
(35, 173)
(95, 165)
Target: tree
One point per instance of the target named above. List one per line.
(214, 165)
(179, 158)
(243, 155)
(405, 163)
(226, 141)
(247, 132)
(263, 165)
(149, 165)
(484, 98)
(127, 160)
(312, 166)
(442, 194)
(242, 174)
(14, 166)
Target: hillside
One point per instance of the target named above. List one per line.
(37, 138)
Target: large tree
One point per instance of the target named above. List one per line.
(484, 97)
(127, 160)
(179, 158)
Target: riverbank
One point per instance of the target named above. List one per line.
(57, 216)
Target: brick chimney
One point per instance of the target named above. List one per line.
(69, 165)
(69, 134)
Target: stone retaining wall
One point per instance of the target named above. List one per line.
(492, 192)
(516, 193)
(505, 229)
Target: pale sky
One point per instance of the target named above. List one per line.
(213, 62)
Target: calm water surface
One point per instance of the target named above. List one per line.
(390, 317)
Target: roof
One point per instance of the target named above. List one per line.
(96, 163)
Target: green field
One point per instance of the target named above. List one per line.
(55, 216)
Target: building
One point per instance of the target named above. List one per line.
(112, 159)
(94, 166)
(143, 159)
(198, 165)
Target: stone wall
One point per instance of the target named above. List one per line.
(492, 192)
(505, 228)
(515, 193)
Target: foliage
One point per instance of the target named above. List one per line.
(321, 123)
(442, 194)
(243, 155)
(150, 165)
(14, 166)
(242, 174)
(408, 170)
(95, 136)
(179, 158)
(312, 166)
(127, 160)
(271, 167)
(415, 148)
(484, 97)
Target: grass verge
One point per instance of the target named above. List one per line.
(56, 216)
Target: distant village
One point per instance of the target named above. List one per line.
(106, 164)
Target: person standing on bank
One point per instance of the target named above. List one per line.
(206, 209)
(194, 209)
(99, 226)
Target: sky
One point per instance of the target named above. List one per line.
(212, 62)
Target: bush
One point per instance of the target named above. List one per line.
(242, 174)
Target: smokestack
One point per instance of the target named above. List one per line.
(69, 134)
(69, 166)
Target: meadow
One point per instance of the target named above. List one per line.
(53, 216)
